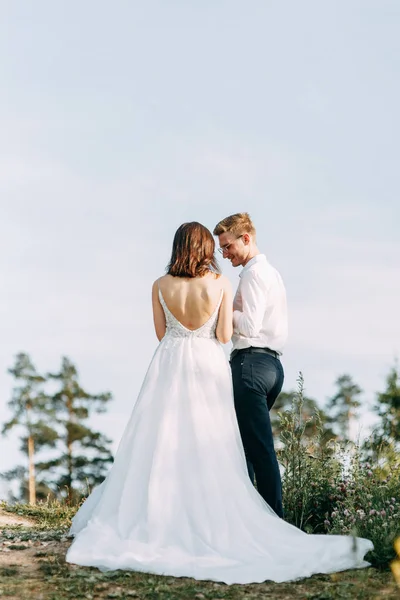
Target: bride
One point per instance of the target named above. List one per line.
(178, 500)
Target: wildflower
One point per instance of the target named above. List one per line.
(327, 523)
(372, 512)
(383, 513)
(369, 473)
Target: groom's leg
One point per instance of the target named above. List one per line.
(261, 449)
(257, 381)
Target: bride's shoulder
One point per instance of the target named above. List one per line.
(160, 282)
(224, 282)
(162, 279)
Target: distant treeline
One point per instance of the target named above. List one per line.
(50, 413)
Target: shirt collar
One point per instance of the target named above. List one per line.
(256, 259)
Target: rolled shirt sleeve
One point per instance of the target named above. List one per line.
(248, 322)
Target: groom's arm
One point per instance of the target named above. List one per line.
(248, 321)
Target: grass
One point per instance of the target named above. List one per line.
(41, 573)
(51, 513)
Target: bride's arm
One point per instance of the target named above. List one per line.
(225, 326)
(158, 313)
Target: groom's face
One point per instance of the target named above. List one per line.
(233, 248)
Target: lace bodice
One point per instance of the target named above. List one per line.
(176, 329)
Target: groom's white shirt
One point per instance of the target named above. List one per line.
(260, 308)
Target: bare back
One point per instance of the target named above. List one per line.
(192, 301)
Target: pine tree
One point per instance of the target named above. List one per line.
(31, 412)
(342, 407)
(385, 440)
(85, 453)
(388, 407)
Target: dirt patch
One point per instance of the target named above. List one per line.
(7, 519)
(28, 555)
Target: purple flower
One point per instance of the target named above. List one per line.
(383, 513)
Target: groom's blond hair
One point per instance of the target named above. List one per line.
(237, 224)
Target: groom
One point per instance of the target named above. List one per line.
(259, 335)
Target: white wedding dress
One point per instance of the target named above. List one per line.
(178, 500)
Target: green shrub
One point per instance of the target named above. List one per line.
(328, 488)
(310, 468)
(368, 505)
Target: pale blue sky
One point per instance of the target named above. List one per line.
(121, 120)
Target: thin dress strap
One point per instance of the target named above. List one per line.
(163, 303)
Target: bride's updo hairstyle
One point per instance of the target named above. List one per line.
(192, 252)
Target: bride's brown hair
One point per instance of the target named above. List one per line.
(192, 252)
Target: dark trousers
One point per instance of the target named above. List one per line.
(257, 381)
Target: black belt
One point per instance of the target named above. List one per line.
(253, 350)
